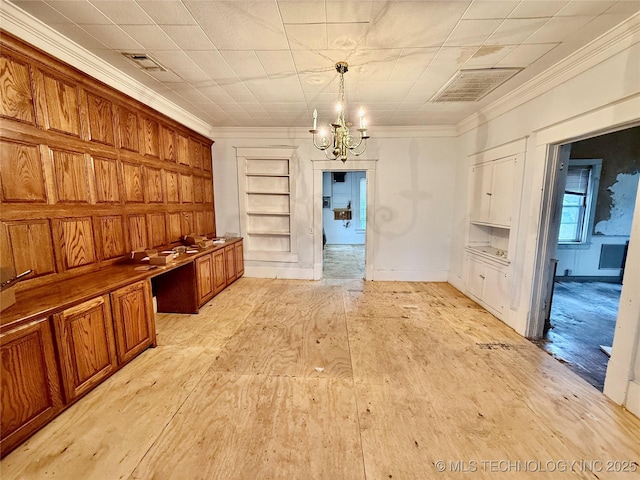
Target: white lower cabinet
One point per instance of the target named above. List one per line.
(488, 282)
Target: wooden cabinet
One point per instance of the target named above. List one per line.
(133, 321)
(239, 259)
(30, 382)
(492, 192)
(230, 262)
(219, 271)
(488, 283)
(84, 335)
(205, 278)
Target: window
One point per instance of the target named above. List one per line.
(578, 201)
(363, 203)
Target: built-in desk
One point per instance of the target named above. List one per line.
(61, 340)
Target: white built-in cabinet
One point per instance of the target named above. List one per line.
(266, 189)
(495, 185)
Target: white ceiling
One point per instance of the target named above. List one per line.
(271, 62)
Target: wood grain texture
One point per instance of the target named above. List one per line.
(133, 320)
(30, 394)
(207, 189)
(230, 262)
(77, 245)
(153, 185)
(100, 119)
(71, 176)
(188, 223)
(219, 272)
(195, 153)
(182, 149)
(239, 259)
(84, 335)
(133, 182)
(128, 129)
(138, 232)
(210, 223)
(150, 136)
(61, 105)
(16, 96)
(186, 188)
(112, 236)
(172, 182)
(168, 143)
(200, 222)
(207, 162)
(204, 278)
(21, 173)
(198, 189)
(174, 228)
(157, 229)
(107, 180)
(31, 246)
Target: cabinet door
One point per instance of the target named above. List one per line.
(204, 275)
(133, 320)
(481, 194)
(239, 259)
(496, 288)
(219, 271)
(475, 276)
(504, 174)
(30, 382)
(230, 262)
(84, 335)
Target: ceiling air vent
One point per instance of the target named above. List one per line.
(145, 62)
(472, 85)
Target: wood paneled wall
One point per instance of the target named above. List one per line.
(88, 174)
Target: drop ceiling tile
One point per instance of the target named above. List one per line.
(188, 37)
(384, 91)
(214, 64)
(412, 63)
(170, 12)
(580, 7)
(245, 63)
(262, 28)
(182, 65)
(164, 77)
(625, 7)
(373, 65)
(515, 30)
(472, 32)
(349, 11)
(113, 37)
(449, 60)
(276, 90)
(307, 36)
(151, 37)
(123, 12)
(82, 13)
(484, 9)
(525, 55)
(41, 11)
(277, 63)
(316, 82)
(79, 35)
(537, 9)
(317, 61)
(216, 93)
(236, 89)
(346, 36)
(558, 28)
(488, 56)
(413, 24)
(297, 11)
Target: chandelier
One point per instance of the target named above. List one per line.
(341, 142)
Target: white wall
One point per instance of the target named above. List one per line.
(410, 222)
(342, 232)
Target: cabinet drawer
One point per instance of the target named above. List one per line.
(133, 320)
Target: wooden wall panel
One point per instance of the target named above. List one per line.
(174, 227)
(150, 138)
(16, 97)
(209, 223)
(30, 245)
(186, 188)
(172, 180)
(86, 173)
(77, 245)
(21, 173)
(133, 187)
(153, 184)
(157, 230)
(168, 144)
(71, 176)
(60, 104)
(182, 149)
(100, 120)
(112, 236)
(106, 180)
(138, 232)
(128, 129)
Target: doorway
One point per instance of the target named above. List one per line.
(596, 189)
(344, 218)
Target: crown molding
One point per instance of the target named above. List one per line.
(23, 25)
(608, 44)
(301, 133)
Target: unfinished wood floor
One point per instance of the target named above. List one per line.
(279, 379)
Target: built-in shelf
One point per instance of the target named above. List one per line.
(490, 253)
(266, 192)
(266, 232)
(267, 175)
(489, 224)
(274, 214)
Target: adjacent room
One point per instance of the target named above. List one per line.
(319, 239)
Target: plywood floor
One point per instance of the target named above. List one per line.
(279, 379)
